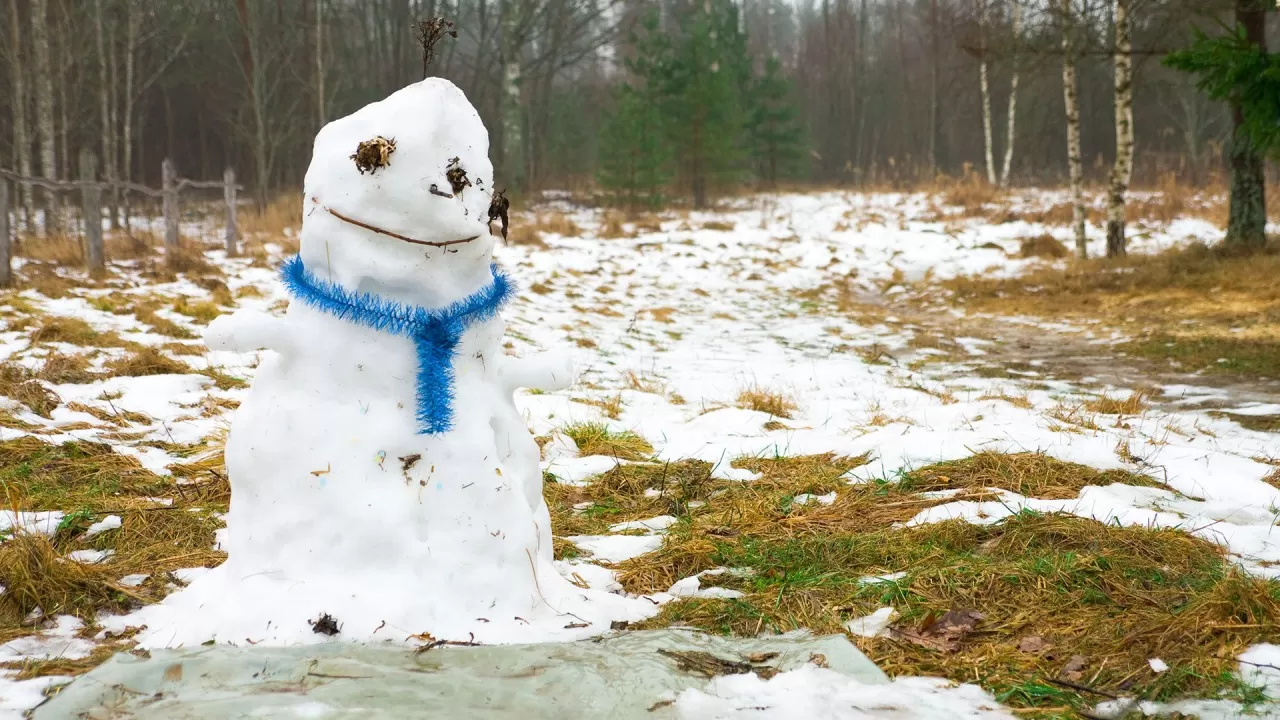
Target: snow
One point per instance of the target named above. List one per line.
(817, 694)
(873, 624)
(43, 522)
(110, 522)
(57, 642)
(616, 548)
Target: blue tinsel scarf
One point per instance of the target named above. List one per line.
(435, 333)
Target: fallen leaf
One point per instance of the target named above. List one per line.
(944, 633)
(173, 673)
(819, 659)
(1032, 644)
(761, 657)
(1074, 669)
(705, 664)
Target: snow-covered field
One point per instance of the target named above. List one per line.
(668, 327)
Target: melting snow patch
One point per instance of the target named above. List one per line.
(616, 548)
(89, 557)
(44, 522)
(806, 498)
(110, 522)
(654, 524)
(819, 694)
(873, 624)
(58, 642)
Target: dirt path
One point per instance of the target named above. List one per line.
(1027, 349)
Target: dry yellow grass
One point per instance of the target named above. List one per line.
(1134, 404)
(773, 402)
(1199, 307)
(1042, 246)
(282, 212)
(598, 439)
(1115, 595)
(529, 229)
(62, 249)
(147, 361)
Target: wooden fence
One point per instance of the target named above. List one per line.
(91, 205)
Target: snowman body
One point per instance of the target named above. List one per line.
(344, 502)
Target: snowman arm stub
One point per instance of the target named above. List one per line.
(248, 330)
(546, 371)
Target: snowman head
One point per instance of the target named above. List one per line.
(396, 197)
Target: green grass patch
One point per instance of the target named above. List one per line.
(1116, 596)
(1259, 358)
(1260, 423)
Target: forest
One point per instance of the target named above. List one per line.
(661, 101)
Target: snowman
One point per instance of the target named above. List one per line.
(383, 484)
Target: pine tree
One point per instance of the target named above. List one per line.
(775, 136)
(634, 153)
(703, 98)
(1237, 68)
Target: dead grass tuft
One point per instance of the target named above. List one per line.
(147, 361)
(36, 576)
(612, 227)
(598, 439)
(61, 250)
(73, 331)
(19, 384)
(1134, 404)
(59, 369)
(1042, 246)
(1030, 474)
(764, 400)
(973, 194)
(282, 213)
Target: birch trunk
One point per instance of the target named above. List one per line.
(1122, 172)
(512, 109)
(1013, 97)
(1247, 216)
(983, 74)
(1070, 94)
(44, 108)
(21, 145)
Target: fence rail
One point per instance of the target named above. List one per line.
(91, 205)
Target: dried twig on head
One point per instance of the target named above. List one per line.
(428, 33)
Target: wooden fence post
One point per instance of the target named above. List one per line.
(92, 197)
(171, 238)
(6, 272)
(229, 194)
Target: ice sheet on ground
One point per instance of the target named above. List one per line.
(618, 677)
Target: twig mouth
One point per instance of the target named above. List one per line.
(398, 236)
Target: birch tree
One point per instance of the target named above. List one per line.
(1013, 95)
(983, 73)
(1122, 172)
(1071, 101)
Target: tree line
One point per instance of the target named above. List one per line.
(652, 98)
